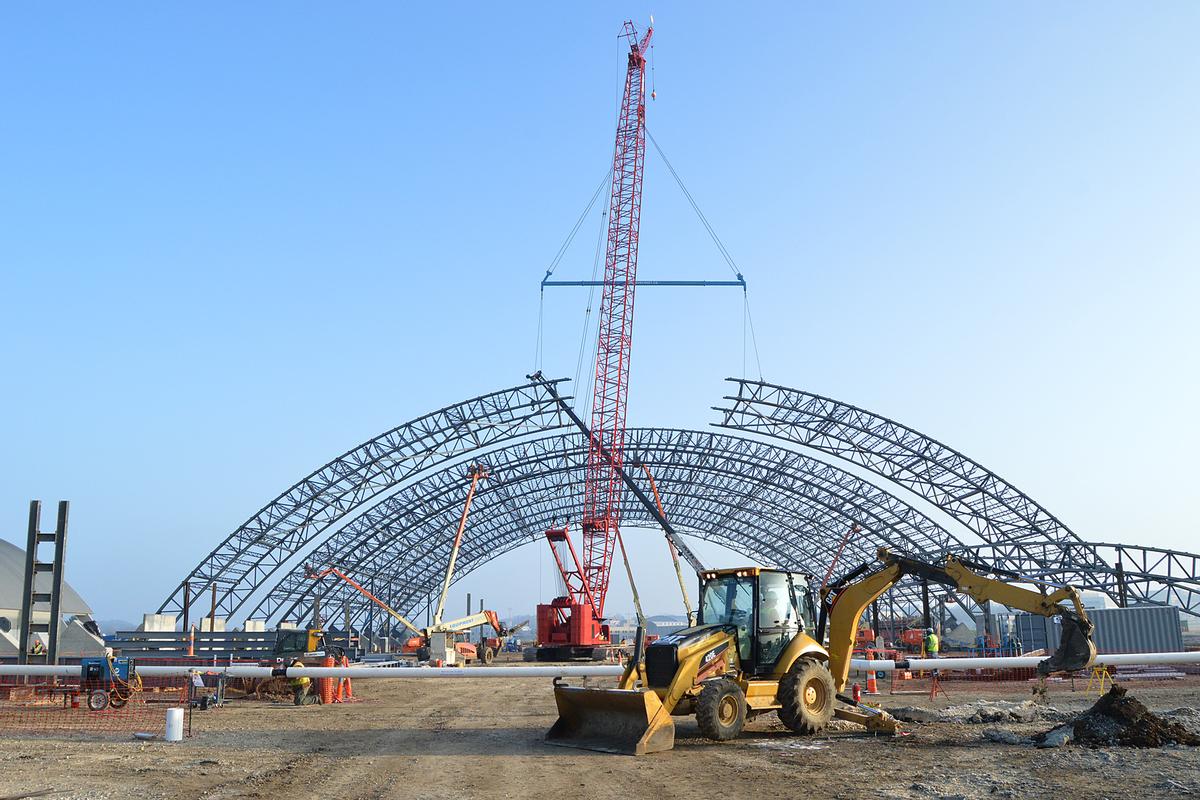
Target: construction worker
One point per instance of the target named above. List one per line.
(931, 643)
(38, 649)
(300, 688)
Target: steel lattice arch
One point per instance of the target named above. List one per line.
(780, 481)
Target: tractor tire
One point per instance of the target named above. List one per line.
(530, 654)
(486, 654)
(97, 700)
(721, 710)
(806, 695)
(423, 654)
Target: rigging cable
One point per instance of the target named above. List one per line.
(747, 318)
(539, 347)
(733, 267)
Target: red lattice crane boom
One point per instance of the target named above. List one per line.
(575, 621)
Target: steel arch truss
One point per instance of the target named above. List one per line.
(990, 507)
(384, 511)
(772, 504)
(250, 556)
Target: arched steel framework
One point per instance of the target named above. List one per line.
(768, 486)
(249, 558)
(772, 504)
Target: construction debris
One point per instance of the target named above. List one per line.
(980, 712)
(1120, 719)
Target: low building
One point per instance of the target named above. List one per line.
(74, 638)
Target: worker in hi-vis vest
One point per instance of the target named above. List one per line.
(300, 687)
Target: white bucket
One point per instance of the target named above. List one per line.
(174, 725)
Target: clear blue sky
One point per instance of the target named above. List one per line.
(237, 240)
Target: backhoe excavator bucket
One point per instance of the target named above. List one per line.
(1076, 650)
(628, 721)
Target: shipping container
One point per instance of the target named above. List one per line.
(1139, 629)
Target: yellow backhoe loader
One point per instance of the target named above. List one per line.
(756, 648)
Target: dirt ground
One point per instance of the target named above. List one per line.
(418, 739)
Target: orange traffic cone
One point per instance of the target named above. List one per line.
(872, 684)
(343, 684)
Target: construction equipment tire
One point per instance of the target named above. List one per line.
(486, 654)
(806, 695)
(721, 710)
(97, 700)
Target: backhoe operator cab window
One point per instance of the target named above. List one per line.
(768, 611)
(784, 610)
(730, 600)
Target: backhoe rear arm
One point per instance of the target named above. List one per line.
(846, 600)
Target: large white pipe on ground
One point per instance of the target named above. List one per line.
(1016, 662)
(355, 672)
(593, 671)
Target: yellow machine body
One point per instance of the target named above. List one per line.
(756, 649)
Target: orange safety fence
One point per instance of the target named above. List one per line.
(67, 705)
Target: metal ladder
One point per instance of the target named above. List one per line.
(37, 597)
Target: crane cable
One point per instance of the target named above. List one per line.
(539, 349)
(747, 319)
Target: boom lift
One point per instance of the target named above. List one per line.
(757, 648)
(438, 640)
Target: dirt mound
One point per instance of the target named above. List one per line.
(1120, 719)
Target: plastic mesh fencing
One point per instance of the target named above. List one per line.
(40, 705)
(99, 707)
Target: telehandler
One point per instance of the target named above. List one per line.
(756, 648)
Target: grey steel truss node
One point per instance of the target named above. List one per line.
(768, 487)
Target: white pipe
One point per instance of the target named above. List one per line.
(594, 671)
(359, 672)
(1017, 662)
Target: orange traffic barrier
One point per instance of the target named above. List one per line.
(325, 685)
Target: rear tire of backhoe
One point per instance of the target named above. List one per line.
(721, 710)
(806, 695)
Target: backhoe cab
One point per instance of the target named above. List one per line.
(756, 648)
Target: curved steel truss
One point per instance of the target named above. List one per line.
(251, 555)
(768, 486)
(774, 505)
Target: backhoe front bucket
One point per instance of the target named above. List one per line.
(628, 721)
